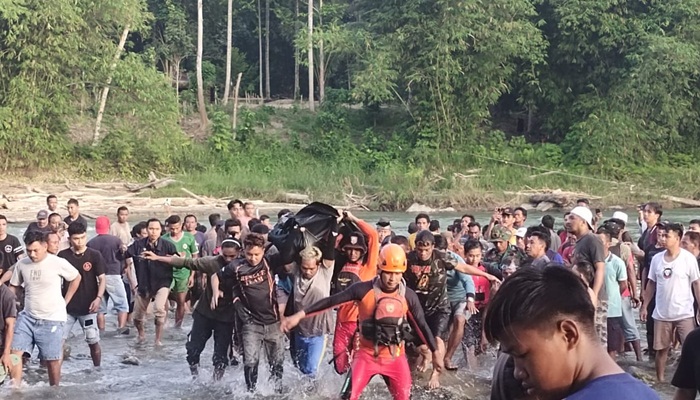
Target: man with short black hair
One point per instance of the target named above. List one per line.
(11, 249)
(422, 222)
(233, 228)
(255, 302)
(74, 213)
(265, 219)
(615, 285)
(120, 228)
(520, 216)
(691, 242)
(86, 302)
(52, 203)
(544, 320)
(42, 321)
(651, 214)
(555, 240)
(384, 229)
(537, 243)
(213, 223)
(694, 225)
(154, 278)
(183, 278)
(236, 210)
(427, 276)
(214, 312)
(583, 203)
(249, 209)
(675, 277)
(434, 227)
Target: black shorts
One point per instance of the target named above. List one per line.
(472, 333)
(616, 335)
(439, 323)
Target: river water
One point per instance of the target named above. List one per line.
(163, 373)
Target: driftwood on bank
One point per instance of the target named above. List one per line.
(200, 199)
(545, 200)
(683, 201)
(157, 184)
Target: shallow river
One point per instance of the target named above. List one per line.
(164, 374)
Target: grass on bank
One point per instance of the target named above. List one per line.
(396, 191)
(330, 155)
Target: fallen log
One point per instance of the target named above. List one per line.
(157, 184)
(200, 199)
(297, 198)
(683, 201)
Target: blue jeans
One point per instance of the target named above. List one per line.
(309, 353)
(115, 291)
(46, 335)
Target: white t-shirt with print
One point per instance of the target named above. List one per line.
(43, 298)
(674, 291)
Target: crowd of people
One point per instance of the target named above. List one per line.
(559, 304)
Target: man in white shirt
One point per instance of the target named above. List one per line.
(674, 275)
(41, 322)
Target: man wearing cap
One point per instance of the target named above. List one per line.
(503, 217)
(427, 276)
(589, 248)
(384, 229)
(213, 313)
(502, 248)
(520, 240)
(110, 246)
(361, 266)
(41, 224)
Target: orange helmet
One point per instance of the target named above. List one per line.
(392, 258)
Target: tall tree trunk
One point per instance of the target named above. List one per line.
(200, 82)
(267, 49)
(235, 103)
(311, 55)
(296, 53)
(321, 58)
(105, 91)
(229, 34)
(260, 52)
(176, 65)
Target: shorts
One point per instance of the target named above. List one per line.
(616, 337)
(629, 324)
(663, 332)
(472, 333)
(46, 335)
(89, 325)
(180, 278)
(115, 291)
(601, 322)
(459, 309)
(439, 323)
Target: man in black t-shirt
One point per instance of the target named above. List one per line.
(687, 376)
(74, 214)
(255, 304)
(154, 277)
(11, 249)
(86, 301)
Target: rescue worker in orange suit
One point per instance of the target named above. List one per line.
(384, 304)
(361, 265)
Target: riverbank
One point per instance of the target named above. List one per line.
(202, 193)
